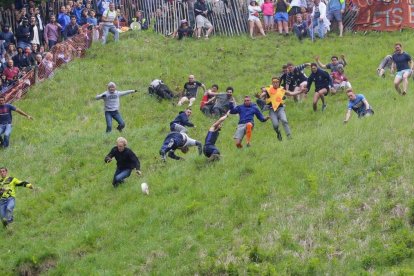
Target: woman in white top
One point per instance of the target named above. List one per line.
(254, 19)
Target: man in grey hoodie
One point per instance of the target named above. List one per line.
(111, 99)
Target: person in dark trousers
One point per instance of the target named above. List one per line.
(210, 150)
(181, 121)
(246, 112)
(7, 195)
(359, 104)
(323, 82)
(126, 161)
(178, 140)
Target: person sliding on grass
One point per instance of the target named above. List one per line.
(275, 99)
(322, 81)
(126, 161)
(111, 99)
(246, 112)
(181, 121)
(359, 104)
(7, 195)
(178, 140)
(210, 150)
(402, 62)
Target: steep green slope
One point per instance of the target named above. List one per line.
(336, 199)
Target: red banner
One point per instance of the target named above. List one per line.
(384, 15)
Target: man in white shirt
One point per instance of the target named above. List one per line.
(108, 18)
(320, 22)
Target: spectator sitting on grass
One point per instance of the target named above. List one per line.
(300, 27)
(184, 30)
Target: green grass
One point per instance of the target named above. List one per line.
(337, 199)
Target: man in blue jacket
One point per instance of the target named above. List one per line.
(181, 121)
(323, 82)
(246, 112)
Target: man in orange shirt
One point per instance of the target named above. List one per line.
(275, 100)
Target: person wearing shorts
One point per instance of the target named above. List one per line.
(268, 13)
(254, 19)
(246, 112)
(282, 17)
(335, 10)
(322, 81)
(201, 11)
(403, 65)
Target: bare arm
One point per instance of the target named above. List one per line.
(347, 116)
(219, 121)
(320, 64)
(343, 60)
(21, 112)
(366, 104)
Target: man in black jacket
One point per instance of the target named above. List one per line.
(126, 161)
(323, 82)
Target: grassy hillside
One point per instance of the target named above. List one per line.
(336, 199)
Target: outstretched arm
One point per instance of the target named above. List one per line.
(366, 104)
(347, 116)
(219, 121)
(21, 112)
(320, 64)
(126, 92)
(343, 60)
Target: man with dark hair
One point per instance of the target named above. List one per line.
(108, 18)
(296, 80)
(24, 34)
(181, 121)
(222, 102)
(7, 36)
(71, 29)
(403, 65)
(126, 161)
(206, 106)
(8, 194)
(210, 150)
(201, 12)
(333, 65)
(359, 104)
(323, 82)
(178, 140)
(6, 120)
(52, 32)
(246, 112)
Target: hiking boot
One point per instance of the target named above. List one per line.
(324, 107)
(120, 128)
(279, 135)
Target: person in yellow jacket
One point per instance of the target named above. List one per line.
(7, 195)
(275, 100)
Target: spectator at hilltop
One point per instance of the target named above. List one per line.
(20, 60)
(184, 30)
(52, 32)
(10, 52)
(63, 18)
(108, 19)
(7, 36)
(254, 20)
(282, 16)
(300, 28)
(268, 9)
(336, 9)
(24, 34)
(201, 12)
(72, 29)
(320, 24)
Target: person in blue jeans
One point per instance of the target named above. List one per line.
(6, 120)
(126, 161)
(319, 20)
(111, 99)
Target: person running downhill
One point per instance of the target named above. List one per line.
(111, 99)
(246, 112)
(404, 68)
(8, 194)
(210, 150)
(126, 161)
(178, 140)
(322, 81)
(275, 99)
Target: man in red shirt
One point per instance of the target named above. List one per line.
(11, 72)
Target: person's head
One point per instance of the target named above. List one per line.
(85, 12)
(340, 68)
(6, 28)
(37, 11)
(3, 170)
(49, 56)
(316, 2)
(299, 17)
(19, 50)
(214, 88)
(303, 10)
(35, 47)
(184, 149)
(253, 3)
(112, 6)
(350, 94)
(52, 18)
(191, 78)
(63, 9)
(11, 47)
(32, 20)
(121, 143)
(25, 22)
(188, 112)
(10, 63)
(229, 91)
(314, 67)
(27, 50)
(38, 58)
(70, 3)
(41, 49)
(284, 68)
(92, 13)
(184, 23)
(111, 87)
(138, 14)
(334, 60)
(275, 82)
(72, 19)
(247, 101)
(290, 67)
(398, 47)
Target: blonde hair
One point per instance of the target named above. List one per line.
(122, 140)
